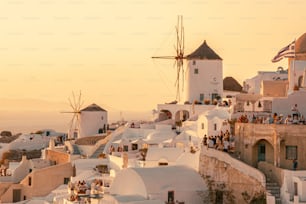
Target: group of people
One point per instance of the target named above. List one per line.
(4, 171)
(295, 118)
(84, 188)
(224, 141)
(113, 149)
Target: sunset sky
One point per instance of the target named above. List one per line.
(103, 48)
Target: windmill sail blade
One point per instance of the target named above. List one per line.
(67, 112)
(164, 57)
(179, 49)
(80, 102)
(75, 103)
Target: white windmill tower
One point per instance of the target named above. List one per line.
(74, 125)
(93, 121)
(203, 79)
(204, 75)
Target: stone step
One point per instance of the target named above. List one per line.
(278, 201)
(98, 151)
(274, 190)
(271, 184)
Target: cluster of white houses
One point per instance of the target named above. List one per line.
(165, 161)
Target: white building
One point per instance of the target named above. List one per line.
(168, 184)
(211, 122)
(204, 75)
(297, 65)
(93, 121)
(254, 85)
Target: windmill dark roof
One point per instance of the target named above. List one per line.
(204, 52)
(93, 107)
(231, 84)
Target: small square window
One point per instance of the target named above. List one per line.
(196, 70)
(201, 96)
(193, 62)
(291, 152)
(202, 124)
(66, 180)
(134, 146)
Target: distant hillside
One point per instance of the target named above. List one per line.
(15, 155)
(231, 84)
(9, 139)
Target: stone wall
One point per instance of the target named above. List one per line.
(57, 157)
(43, 181)
(276, 137)
(229, 179)
(284, 178)
(4, 186)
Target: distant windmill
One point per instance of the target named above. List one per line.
(74, 126)
(179, 57)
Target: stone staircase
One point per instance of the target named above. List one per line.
(274, 189)
(98, 151)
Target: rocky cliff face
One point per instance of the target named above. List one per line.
(227, 184)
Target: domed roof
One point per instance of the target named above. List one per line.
(300, 44)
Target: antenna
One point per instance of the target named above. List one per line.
(74, 125)
(179, 57)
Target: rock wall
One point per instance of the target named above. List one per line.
(227, 183)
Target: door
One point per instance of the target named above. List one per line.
(170, 197)
(295, 188)
(261, 152)
(16, 195)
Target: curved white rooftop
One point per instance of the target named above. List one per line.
(146, 181)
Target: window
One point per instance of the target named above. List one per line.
(214, 96)
(163, 164)
(75, 135)
(291, 152)
(66, 180)
(125, 148)
(134, 146)
(202, 124)
(196, 71)
(100, 131)
(194, 62)
(215, 126)
(201, 96)
(262, 149)
(30, 181)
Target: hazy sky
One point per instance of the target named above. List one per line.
(50, 48)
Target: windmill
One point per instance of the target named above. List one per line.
(74, 125)
(179, 57)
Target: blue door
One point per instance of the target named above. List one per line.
(261, 152)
